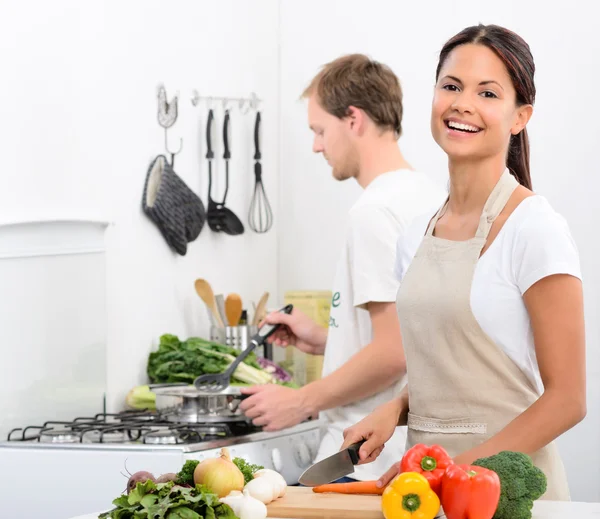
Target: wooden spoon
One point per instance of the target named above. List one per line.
(260, 309)
(205, 291)
(233, 309)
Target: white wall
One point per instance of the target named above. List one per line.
(78, 129)
(407, 36)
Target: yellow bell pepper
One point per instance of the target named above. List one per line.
(409, 496)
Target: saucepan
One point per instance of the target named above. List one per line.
(187, 404)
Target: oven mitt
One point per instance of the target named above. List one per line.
(176, 210)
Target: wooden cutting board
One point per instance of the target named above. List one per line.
(303, 503)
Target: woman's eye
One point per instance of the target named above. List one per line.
(489, 94)
(452, 88)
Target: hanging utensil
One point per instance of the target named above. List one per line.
(219, 217)
(260, 216)
(205, 291)
(219, 381)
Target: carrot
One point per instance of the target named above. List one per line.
(355, 487)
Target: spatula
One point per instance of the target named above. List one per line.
(233, 309)
(215, 382)
(205, 291)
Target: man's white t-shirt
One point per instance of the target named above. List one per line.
(534, 242)
(365, 273)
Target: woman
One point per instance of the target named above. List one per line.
(491, 304)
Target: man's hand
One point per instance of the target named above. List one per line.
(298, 330)
(275, 407)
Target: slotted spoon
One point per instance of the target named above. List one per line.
(215, 382)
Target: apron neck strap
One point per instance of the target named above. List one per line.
(496, 202)
(493, 207)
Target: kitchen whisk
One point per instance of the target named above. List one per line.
(260, 216)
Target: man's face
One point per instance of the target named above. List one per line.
(333, 138)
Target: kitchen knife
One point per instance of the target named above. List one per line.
(334, 467)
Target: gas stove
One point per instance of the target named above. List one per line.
(81, 465)
(131, 428)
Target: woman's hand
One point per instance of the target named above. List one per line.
(376, 428)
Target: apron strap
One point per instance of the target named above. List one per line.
(434, 220)
(496, 203)
(493, 207)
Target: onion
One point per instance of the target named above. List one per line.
(220, 474)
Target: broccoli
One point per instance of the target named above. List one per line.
(247, 469)
(186, 475)
(521, 483)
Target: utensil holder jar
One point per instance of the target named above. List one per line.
(237, 337)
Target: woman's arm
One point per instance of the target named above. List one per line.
(555, 307)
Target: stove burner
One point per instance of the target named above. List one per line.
(106, 436)
(187, 433)
(165, 437)
(59, 436)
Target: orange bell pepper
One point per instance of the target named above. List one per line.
(470, 492)
(431, 461)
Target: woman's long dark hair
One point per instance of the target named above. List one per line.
(516, 56)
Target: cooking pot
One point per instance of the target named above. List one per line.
(187, 404)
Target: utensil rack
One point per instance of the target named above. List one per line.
(245, 104)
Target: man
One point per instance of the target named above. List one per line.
(355, 112)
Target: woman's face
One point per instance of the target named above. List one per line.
(474, 111)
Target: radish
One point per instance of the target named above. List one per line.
(165, 478)
(139, 477)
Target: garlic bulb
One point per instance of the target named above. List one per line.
(262, 489)
(276, 478)
(245, 506)
(233, 500)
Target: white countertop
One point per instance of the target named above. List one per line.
(541, 510)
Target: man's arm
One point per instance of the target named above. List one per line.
(373, 369)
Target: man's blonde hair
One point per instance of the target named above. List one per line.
(356, 80)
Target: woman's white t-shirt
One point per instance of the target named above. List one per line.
(534, 242)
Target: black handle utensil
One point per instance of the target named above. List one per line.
(219, 381)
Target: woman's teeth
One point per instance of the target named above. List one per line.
(463, 127)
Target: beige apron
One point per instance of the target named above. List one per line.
(463, 388)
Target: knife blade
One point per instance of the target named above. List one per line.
(334, 467)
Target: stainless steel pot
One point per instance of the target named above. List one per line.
(187, 404)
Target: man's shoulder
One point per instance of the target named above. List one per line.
(400, 195)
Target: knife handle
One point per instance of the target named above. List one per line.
(353, 451)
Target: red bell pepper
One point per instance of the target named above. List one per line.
(431, 461)
(470, 492)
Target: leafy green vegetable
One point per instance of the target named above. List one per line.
(521, 483)
(168, 501)
(247, 469)
(186, 475)
(183, 361)
(141, 397)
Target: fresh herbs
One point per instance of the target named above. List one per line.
(168, 501)
(246, 468)
(186, 475)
